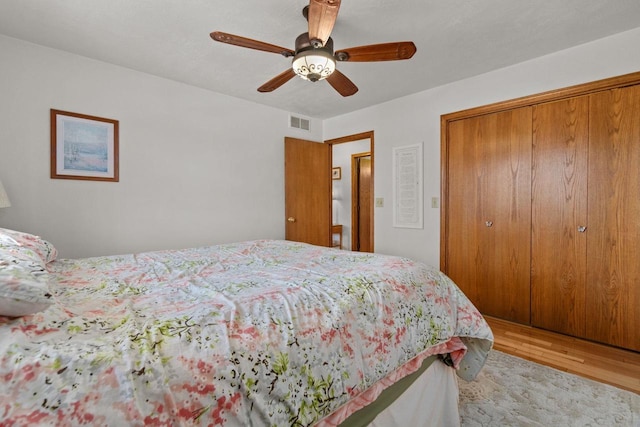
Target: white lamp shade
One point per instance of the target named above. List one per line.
(314, 65)
(4, 199)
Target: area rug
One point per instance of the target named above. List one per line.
(511, 391)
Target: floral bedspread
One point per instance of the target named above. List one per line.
(264, 332)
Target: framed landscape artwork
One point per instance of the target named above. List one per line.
(83, 147)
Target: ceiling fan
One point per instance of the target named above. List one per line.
(313, 57)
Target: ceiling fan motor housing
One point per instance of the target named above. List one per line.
(303, 43)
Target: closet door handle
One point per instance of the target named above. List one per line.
(488, 223)
(582, 229)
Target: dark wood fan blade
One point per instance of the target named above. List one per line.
(377, 52)
(322, 16)
(251, 44)
(277, 81)
(342, 84)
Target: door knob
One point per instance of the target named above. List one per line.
(291, 219)
(582, 229)
(488, 223)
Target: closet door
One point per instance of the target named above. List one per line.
(613, 262)
(559, 215)
(489, 211)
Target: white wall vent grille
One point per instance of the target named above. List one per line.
(299, 123)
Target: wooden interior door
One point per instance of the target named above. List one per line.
(362, 206)
(613, 233)
(307, 166)
(559, 211)
(488, 218)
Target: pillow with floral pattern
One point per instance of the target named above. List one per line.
(23, 275)
(28, 242)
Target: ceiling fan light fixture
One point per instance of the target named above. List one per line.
(314, 64)
(313, 57)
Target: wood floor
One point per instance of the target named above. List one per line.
(598, 362)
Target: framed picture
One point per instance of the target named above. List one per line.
(336, 173)
(407, 188)
(83, 147)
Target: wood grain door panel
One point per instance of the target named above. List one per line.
(307, 168)
(365, 227)
(613, 265)
(489, 214)
(559, 209)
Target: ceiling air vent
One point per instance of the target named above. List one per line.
(298, 123)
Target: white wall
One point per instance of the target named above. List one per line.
(201, 168)
(196, 167)
(416, 118)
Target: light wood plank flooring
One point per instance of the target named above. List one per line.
(598, 362)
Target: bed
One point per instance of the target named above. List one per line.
(264, 332)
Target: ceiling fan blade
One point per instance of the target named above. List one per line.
(377, 52)
(342, 84)
(251, 44)
(322, 16)
(277, 81)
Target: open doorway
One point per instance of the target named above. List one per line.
(353, 192)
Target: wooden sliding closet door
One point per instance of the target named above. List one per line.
(559, 215)
(572, 264)
(613, 265)
(489, 211)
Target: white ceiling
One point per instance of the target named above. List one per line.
(455, 39)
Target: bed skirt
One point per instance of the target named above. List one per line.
(428, 397)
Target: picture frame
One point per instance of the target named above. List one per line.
(336, 173)
(408, 194)
(84, 147)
